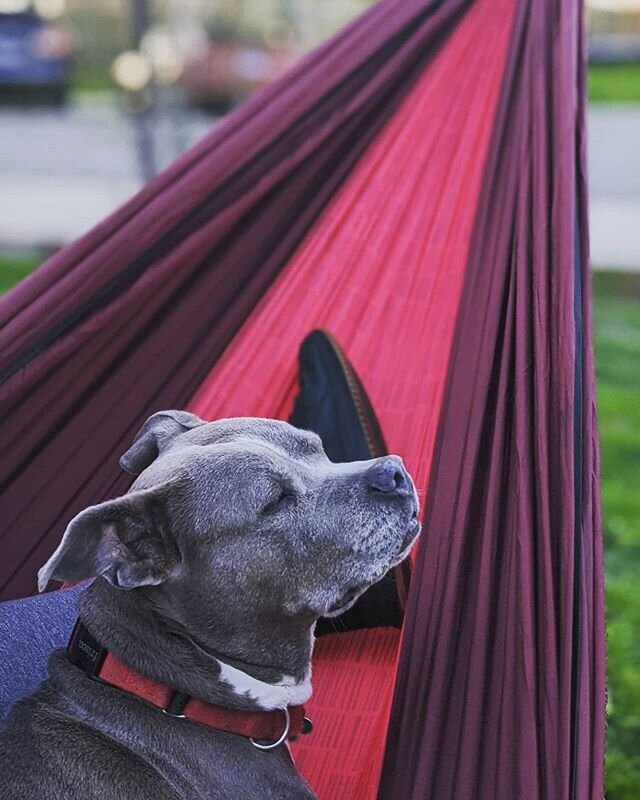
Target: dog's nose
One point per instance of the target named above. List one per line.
(388, 475)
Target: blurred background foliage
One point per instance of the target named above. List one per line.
(104, 30)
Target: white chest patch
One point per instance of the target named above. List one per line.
(287, 692)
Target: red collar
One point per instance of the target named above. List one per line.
(266, 729)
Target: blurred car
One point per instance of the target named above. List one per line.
(35, 57)
(227, 71)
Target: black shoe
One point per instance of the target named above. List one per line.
(333, 403)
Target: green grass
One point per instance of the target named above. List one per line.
(91, 79)
(607, 83)
(617, 345)
(14, 269)
(614, 83)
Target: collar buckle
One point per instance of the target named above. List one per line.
(261, 745)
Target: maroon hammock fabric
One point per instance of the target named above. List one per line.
(500, 688)
(89, 345)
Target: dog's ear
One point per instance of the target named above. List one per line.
(127, 540)
(154, 436)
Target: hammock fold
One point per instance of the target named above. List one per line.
(417, 187)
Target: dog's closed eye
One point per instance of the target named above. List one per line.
(276, 503)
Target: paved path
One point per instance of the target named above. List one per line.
(63, 171)
(614, 186)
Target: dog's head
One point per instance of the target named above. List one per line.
(242, 520)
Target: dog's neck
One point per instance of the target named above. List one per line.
(271, 673)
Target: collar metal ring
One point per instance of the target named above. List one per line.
(175, 716)
(278, 742)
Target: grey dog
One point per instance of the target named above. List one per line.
(236, 536)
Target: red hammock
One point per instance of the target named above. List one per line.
(416, 186)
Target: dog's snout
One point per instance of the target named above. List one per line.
(388, 475)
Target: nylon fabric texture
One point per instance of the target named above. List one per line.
(88, 344)
(386, 213)
(507, 620)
